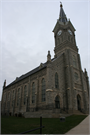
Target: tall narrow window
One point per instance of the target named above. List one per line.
(74, 61)
(33, 92)
(18, 96)
(12, 97)
(25, 93)
(43, 90)
(13, 94)
(8, 96)
(56, 81)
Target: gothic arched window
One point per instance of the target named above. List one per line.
(33, 92)
(56, 81)
(25, 93)
(43, 90)
(18, 96)
(74, 61)
(13, 95)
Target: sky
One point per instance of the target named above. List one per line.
(26, 34)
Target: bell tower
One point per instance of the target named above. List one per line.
(65, 45)
(64, 33)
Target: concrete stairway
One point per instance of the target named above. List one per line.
(50, 114)
(43, 113)
(77, 112)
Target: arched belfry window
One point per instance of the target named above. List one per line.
(25, 93)
(74, 61)
(33, 92)
(56, 81)
(43, 90)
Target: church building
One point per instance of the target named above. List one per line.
(57, 86)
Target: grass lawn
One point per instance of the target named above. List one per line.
(15, 125)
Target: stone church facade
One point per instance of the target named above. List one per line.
(59, 84)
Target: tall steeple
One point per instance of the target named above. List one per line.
(62, 16)
(64, 34)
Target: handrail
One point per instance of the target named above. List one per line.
(32, 130)
(35, 128)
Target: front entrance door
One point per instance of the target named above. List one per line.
(79, 102)
(57, 102)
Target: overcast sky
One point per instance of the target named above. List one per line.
(26, 34)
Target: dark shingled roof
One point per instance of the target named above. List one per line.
(44, 65)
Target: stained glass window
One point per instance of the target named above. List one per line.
(13, 94)
(43, 90)
(8, 96)
(25, 93)
(56, 81)
(74, 61)
(18, 96)
(33, 92)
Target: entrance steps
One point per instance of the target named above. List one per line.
(55, 113)
(41, 114)
(77, 112)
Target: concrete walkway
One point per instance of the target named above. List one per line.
(82, 128)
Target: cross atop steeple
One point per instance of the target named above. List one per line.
(60, 4)
(62, 16)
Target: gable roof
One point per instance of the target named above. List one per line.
(37, 69)
(44, 65)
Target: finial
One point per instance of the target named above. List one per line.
(4, 85)
(48, 52)
(49, 56)
(60, 4)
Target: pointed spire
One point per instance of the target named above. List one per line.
(49, 56)
(4, 85)
(62, 16)
(85, 72)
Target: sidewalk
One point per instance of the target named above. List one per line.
(82, 128)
